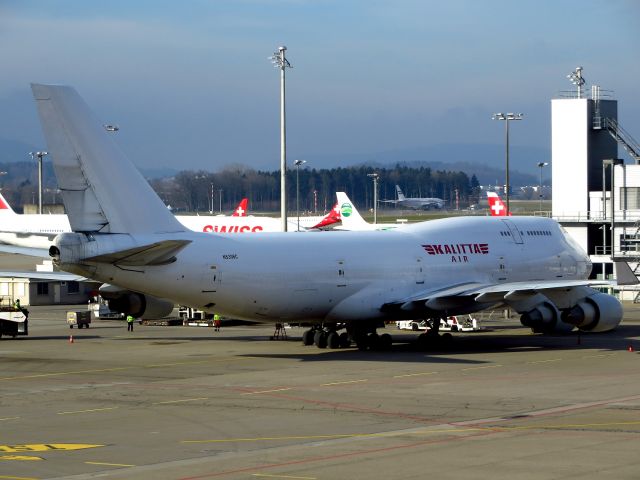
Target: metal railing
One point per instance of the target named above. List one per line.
(622, 137)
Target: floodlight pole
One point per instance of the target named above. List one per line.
(507, 117)
(297, 163)
(577, 79)
(281, 62)
(540, 166)
(374, 176)
(39, 156)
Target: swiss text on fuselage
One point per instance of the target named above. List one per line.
(231, 228)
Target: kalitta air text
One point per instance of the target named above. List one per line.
(459, 251)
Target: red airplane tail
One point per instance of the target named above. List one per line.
(5, 207)
(330, 218)
(497, 206)
(241, 209)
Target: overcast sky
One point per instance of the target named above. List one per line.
(190, 85)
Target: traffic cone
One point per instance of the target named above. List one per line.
(70, 338)
(630, 348)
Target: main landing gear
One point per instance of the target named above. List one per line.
(364, 336)
(431, 339)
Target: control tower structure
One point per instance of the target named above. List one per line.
(585, 141)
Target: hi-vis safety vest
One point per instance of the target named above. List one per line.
(129, 319)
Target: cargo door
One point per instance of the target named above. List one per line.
(515, 233)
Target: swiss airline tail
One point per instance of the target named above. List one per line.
(241, 209)
(497, 206)
(330, 218)
(5, 209)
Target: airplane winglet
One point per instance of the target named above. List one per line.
(624, 274)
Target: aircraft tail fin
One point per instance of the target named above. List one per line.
(241, 209)
(5, 208)
(399, 192)
(330, 218)
(90, 169)
(351, 218)
(496, 205)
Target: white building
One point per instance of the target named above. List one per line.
(585, 137)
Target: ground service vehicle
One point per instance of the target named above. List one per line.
(13, 321)
(80, 319)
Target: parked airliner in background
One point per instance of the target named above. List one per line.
(38, 231)
(241, 209)
(415, 203)
(497, 206)
(123, 234)
(352, 220)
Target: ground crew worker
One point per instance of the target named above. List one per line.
(130, 320)
(16, 304)
(216, 322)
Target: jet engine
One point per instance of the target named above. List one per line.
(596, 313)
(135, 304)
(545, 318)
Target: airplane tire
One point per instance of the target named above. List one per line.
(320, 339)
(385, 341)
(345, 342)
(426, 341)
(362, 342)
(373, 340)
(333, 340)
(446, 340)
(308, 337)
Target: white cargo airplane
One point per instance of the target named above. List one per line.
(415, 203)
(123, 234)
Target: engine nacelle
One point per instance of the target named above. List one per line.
(596, 313)
(135, 304)
(545, 318)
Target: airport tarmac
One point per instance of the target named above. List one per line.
(190, 403)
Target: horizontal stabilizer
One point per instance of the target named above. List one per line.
(28, 251)
(51, 276)
(159, 253)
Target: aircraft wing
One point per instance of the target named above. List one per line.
(459, 295)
